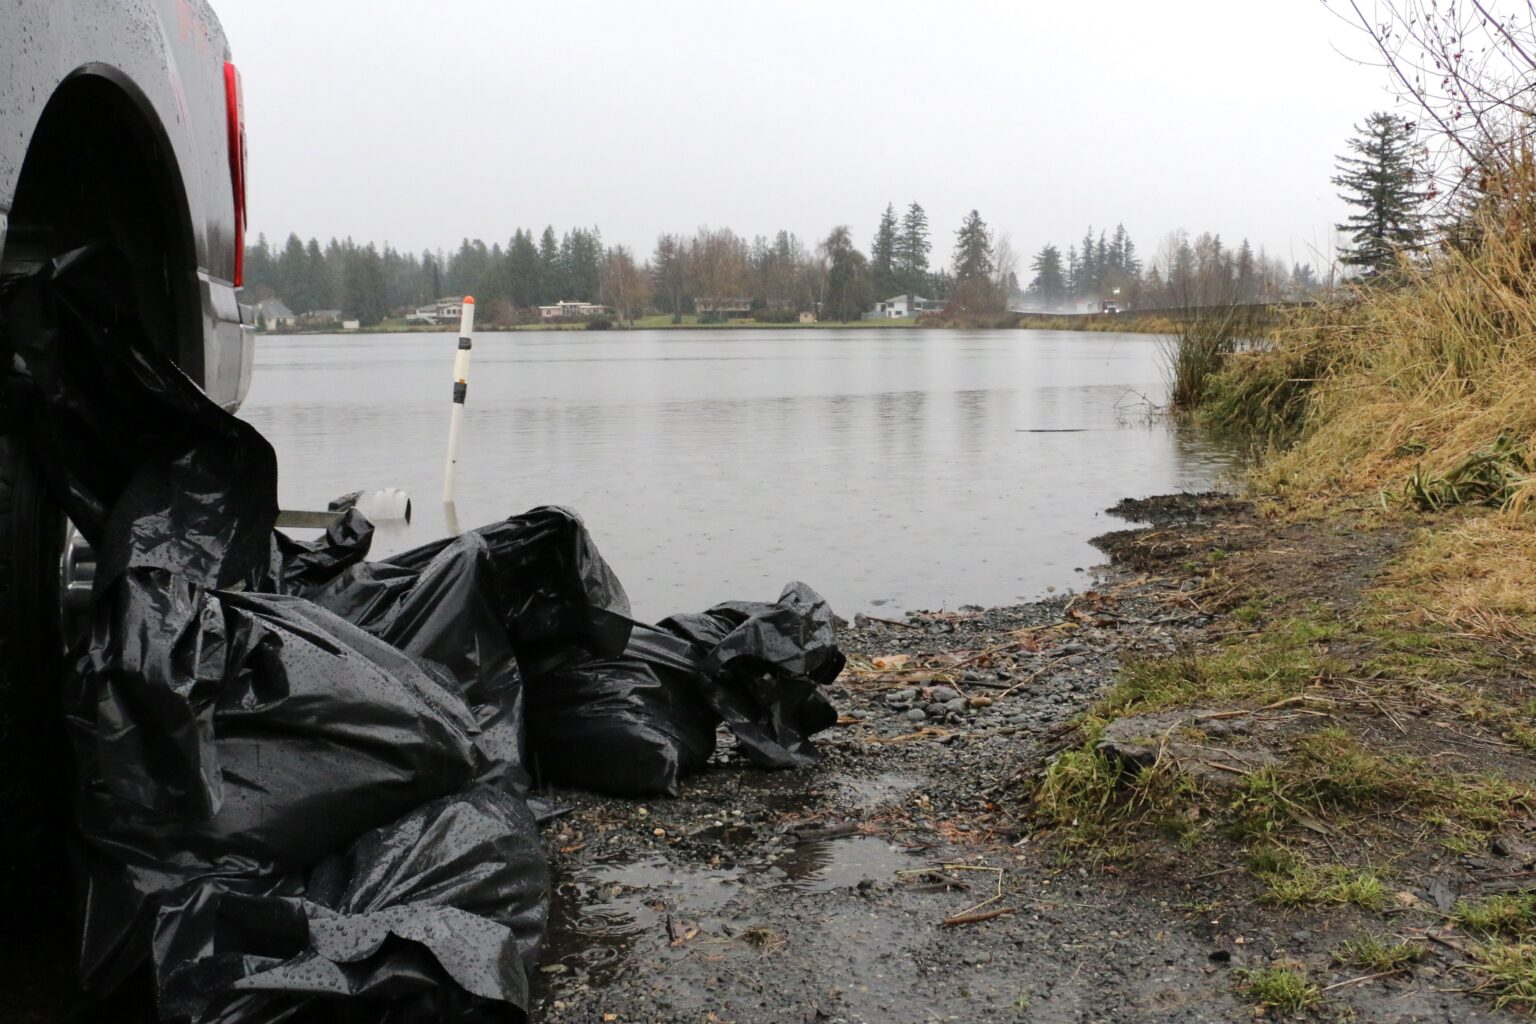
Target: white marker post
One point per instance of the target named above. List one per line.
(460, 392)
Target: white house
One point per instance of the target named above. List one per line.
(896, 306)
(728, 306)
(274, 315)
(564, 308)
(443, 310)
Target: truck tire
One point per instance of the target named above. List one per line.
(35, 775)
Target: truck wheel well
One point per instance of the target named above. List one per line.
(100, 170)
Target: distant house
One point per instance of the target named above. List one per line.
(441, 311)
(807, 317)
(564, 310)
(316, 317)
(274, 315)
(733, 306)
(351, 325)
(896, 306)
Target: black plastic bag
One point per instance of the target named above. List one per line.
(625, 726)
(761, 668)
(148, 469)
(238, 737)
(558, 599)
(437, 917)
(635, 725)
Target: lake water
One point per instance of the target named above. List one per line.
(889, 468)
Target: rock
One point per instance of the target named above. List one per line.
(916, 715)
(941, 694)
(906, 696)
(1177, 738)
(957, 705)
(1514, 846)
(937, 711)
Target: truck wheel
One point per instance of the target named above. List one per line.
(34, 771)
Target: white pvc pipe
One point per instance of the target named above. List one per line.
(460, 393)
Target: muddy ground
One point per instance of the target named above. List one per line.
(907, 879)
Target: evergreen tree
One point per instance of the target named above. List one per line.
(523, 270)
(1380, 183)
(882, 256)
(581, 264)
(551, 274)
(1050, 283)
(363, 274)
(669, 273)
(1247, 278)
(293, 283)
(1088, 281)
(973, 248)
(911, 251)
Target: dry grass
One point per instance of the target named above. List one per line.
(1418, 381)
(1478, 573)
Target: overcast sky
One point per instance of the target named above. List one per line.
(421, 123)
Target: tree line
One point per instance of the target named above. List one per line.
(706, 272)
(714, 272)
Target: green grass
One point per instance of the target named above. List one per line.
(1377, 954)
(1508, 915)
(1508, 972)
(1279, 988)
(1293, 881)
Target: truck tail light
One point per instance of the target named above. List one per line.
(234, 101)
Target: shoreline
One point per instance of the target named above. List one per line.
(1022, 743)
(1086, 323)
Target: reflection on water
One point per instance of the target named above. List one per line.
(889, 468)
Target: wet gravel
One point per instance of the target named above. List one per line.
(823, 894)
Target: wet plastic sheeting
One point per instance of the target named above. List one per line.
(634, 725)
(238, 737)
(763, 666)
(301, 785)
(437, 917)
(626, 726)
(149, 470)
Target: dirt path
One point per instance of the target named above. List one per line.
(906, 878)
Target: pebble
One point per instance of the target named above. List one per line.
(916, 715)
(942, 694)
(957, 704)
(902, 696)
(937, 711)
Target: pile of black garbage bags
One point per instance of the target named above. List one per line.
(303, 776)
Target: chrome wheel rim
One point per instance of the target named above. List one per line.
(77, 575)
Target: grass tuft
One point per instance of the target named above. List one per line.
(1279, 988)
(1378, 954)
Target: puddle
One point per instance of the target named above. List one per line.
(829, 865)
(599, 911)
(868, 794)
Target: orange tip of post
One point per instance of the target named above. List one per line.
(469, 300)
